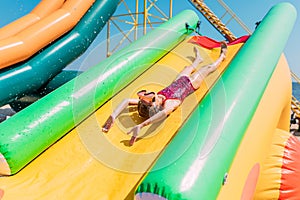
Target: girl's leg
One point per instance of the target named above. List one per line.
(201, 74)
(188, 70)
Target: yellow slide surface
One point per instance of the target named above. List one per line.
(89, 164)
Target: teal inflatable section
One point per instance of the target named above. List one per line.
(29, 76)
(28, 133)
(60, 79)
(195, 164)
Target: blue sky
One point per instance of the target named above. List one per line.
(248, 11)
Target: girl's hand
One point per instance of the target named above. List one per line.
(108, 124)
(135, 131)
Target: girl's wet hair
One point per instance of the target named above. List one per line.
(147, 110)
(143, 109)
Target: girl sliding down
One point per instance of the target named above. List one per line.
(155, 107)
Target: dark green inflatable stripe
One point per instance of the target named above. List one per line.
(195, 162)
(60, 79)
(28, 77)
(31, 131)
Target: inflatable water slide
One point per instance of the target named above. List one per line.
(218, 144)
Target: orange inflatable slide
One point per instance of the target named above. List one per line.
(32, 38)
(42, 10)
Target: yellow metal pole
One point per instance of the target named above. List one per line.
(295, 77)
(136, 23)
(171, 9)
(145, 16)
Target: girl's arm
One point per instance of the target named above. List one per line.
(161, 115)
(109, 122)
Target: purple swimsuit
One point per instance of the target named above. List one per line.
(179, 89)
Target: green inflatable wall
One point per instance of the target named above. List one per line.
(28, 133)
(195, 163)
